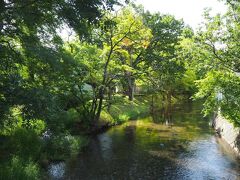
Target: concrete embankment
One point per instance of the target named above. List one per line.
(228, 132)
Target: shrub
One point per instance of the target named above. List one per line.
(63, 146)
(123, 118)
(14, 120)
(25, 143)
(106, 117)
(20, 170)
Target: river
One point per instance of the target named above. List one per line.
(180, 145)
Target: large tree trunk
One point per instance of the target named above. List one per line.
(131, 93)
(102, 88)
(152, 105)
(100, 102)
(169, 101)
(169, 97)
(110, 93)
(131, 87)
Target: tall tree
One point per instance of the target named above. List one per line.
(162, 55)
(218, 47)
(33, 62)
(121, 37)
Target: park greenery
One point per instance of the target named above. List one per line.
(117, 60)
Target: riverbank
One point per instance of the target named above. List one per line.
(228, 132)
(120, 111)
(23, 149)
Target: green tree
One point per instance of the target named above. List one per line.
(34, 66)
(163, 53)
(218, 62)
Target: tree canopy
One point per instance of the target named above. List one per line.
(116, 54)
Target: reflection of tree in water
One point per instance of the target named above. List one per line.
(164, 115)
(130, 133)
(88, 162)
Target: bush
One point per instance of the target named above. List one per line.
(26, 143)
(63, 146)
(14, 120)
(20, 170)
(73, 116)
(63, 120)
(123, 118)
(106, 117)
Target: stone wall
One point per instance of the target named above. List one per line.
(228, 132)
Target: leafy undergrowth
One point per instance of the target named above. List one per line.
(63, 146)
(20, 169)
(29, 151)
(26, 153)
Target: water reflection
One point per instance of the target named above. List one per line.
(57, 170)
(183, 148)
(163, 115)
(105, 144)
(130, 133)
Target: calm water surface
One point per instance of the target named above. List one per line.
(180, 145)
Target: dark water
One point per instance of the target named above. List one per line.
(180, 145)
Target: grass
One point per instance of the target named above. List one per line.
(123, 110)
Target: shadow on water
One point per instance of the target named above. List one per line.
(167, 145)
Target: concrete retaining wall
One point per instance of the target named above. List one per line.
(228, 132)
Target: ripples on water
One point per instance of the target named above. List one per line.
(183, 148)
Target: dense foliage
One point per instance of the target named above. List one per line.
(217, 63)
(52, 87)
